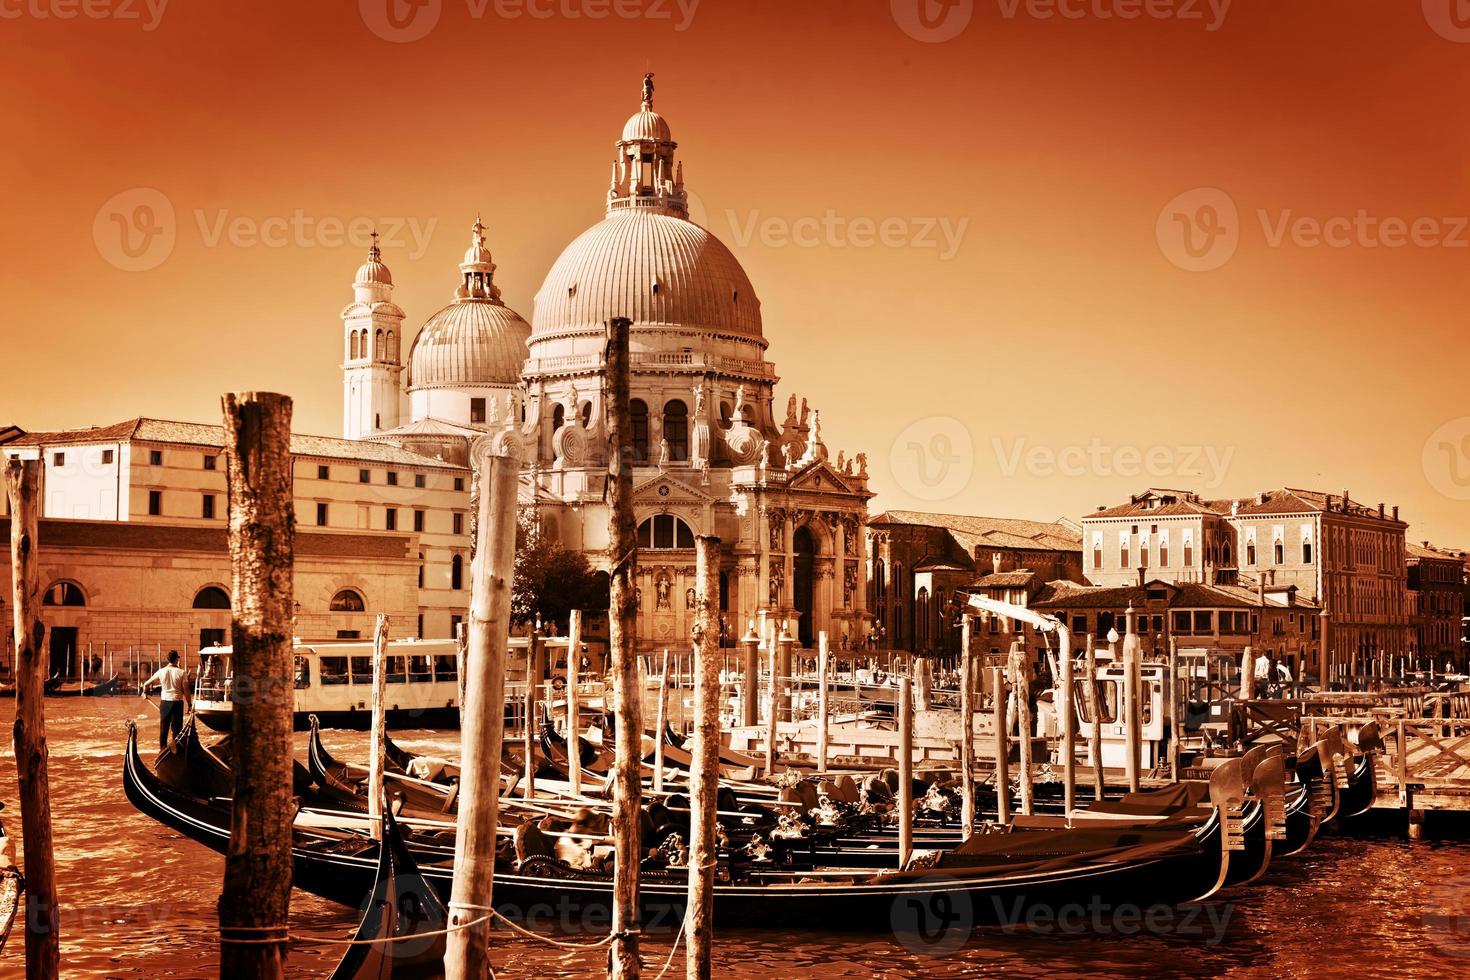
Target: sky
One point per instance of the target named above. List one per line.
(1030, 256)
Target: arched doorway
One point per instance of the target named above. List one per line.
(804, 549)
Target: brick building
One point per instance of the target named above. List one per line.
(1436, 593)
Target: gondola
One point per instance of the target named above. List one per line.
(12, 885)
(83, 689)
(996, 877)
(402, 904)
(399, 760)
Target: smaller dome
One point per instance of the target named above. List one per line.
(469, 342)
(373, 272)
(477, 254)
(647, 125)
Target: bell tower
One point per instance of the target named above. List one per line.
(372, 338)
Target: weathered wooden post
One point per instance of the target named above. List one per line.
(1021, 691)
(924, 680)
(750, 687)
(622, 627)
(704, 777)
(492, 569)
(1176, 723)
(378, 742)
(574, 710)
(967, 728)
(1247, 674)
(772, 706)
(784, 644)
(905, 771)
(1066, 721)
(528, 736)
(1132, 690)
(658, 731)
(1002, 747)
(460, 657)
(823, 722)
(1094, 736)
(42, 921)
(256, 899)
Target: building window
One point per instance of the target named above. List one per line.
(477, 410)
(418, 521)
(638, 412)
(459, 483)
(1280, 556)
(390, 517)
(155, 503)
(558, 417)
(364, 476)
(1250, 553)
(676, 430)
(348, 600)
(1123, 556)
(420, 633)
(1097, 556)
(64, 594)
(456, 572)
(1188, 555)
(1163, 554)
(664, 532)
(321, 515)
(1306, 552)
(211, 597)
(208, 509)
(155, 457)
(323, 472)
(107, 457)
(586, 415)
(58, 459)
(458, 523)
(454, 622)
(392, 478)
(210, 462)
(418, 481)
(421, 576)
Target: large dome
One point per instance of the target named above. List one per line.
(469, 342)
(656, 269)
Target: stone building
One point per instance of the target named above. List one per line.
(170, 478)
(1336, 552)
(918, 563)
(1436, 584)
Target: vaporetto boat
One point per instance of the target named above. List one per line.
(334, 681)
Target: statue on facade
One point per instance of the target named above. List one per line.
(493, 416)
(778, 580)
(699, 400)
(648, 92)
(688, 598)
(664, 584)
(788, 455)
(804, 413)
(778, 531)
(862, 462)
(791, 409)
(739, 416)
(841, 460)
(663, 453)
(849, 584)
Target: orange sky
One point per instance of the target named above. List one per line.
(1056, 319)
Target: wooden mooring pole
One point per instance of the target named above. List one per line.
(256, 900)
(823, 732)
(1094, 735)
(1066, 722)
(772, 706)
(378, 743)
(467, 948)
(967, 728)
(574, 710)
(622, 634)
(1021, 690)
(1002, 747)
(750, 683)
(704, 777)
(663, 720)
(1132, 697)
(1176, 723)
(905, 771)
(42, 921)
(528, 734)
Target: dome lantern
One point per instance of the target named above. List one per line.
(645, 175)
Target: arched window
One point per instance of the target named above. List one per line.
(348, 600)
(921, 619)
(725, 412)
(1250, 553)
(586, 415)
(663, 532)
(392, 348)
(1164, 554)
(1225, 554)
(558, 417)
(211, 597)
(456, 571)
(676, 430)
(352, 346)
(1280, 553)
(64, 594)
(377, 351)
(638, 412)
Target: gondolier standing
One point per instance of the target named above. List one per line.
(173, 691)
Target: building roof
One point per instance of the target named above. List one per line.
(1018, 579)
(10, 433)
(1181, 595)
(213, 436)
(1427, 550)
(148, 536)
(994, 532)
(1179, 503)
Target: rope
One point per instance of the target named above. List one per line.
(606, 940)
(674, 949)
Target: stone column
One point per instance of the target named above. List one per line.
(788, 539)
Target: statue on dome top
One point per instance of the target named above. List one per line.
(648, 91)
(804, 413)
(862, 462)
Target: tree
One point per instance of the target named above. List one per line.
(551, 580)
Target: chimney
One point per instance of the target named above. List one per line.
(1345, 499)
(1395, 511)
(1380, 510)
(995, 562)
(1328, 505)
(1262, 497)
(1261, 590)
(1140, 575)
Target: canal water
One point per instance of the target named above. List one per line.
(138, 901)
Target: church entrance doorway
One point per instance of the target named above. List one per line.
(804, 548)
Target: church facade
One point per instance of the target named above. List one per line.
(715, 451)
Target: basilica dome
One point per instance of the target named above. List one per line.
(647, 125)
(477, 339)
